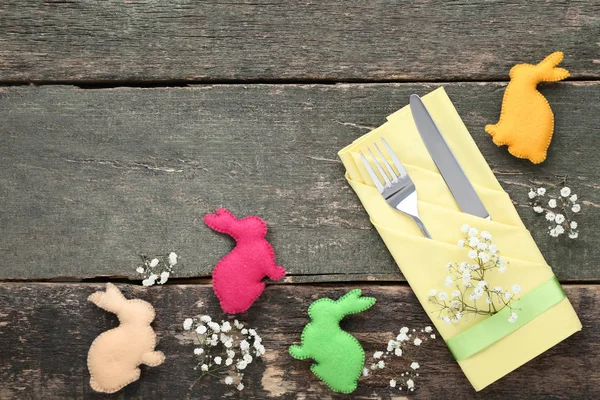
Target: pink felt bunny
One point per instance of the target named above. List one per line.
(238, 277)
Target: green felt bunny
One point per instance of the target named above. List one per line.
(339, 357)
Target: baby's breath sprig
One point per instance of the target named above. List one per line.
(401, 354)
(559, 210)
(469, 278)
(225, 349)
(156, 269)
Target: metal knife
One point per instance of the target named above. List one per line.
(444, 159)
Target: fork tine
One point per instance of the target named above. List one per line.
(383, 174)
(388, 166)
(395, 159)
(374, 177)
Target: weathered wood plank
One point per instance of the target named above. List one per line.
(46, 331)
(91, 178)
(422, 40)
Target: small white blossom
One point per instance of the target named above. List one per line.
(225, 326)
(198, 351)
(204, 367)
(532, 194)
(550, 216)
(446, 320)
(552, 203)
(398, 352)
(205, 318)
(240, 387)
(559, 229)
(164, 276)
(484, 257)
(541, 191)
(244, 345)
(365, 372)
(465, 228)
(573, 225)
(414, 365)
(473, 242)
(172, 258)
(516, 288)
(241, 365)
(248, 358)
(187, 324)
(417, 342)
(428, 329)
(448, 281)
(486, 235)
(473, 232)
(573, 198)
(456, 294)
(410, 384)
(573, 235)
(482, 246)
(381, 364)
(393, 383)
(228, 380)
(472, 254)
(443, 296)
(228, 361)
(538, 209)
(432, 292)
(466, 277)
(565, 192)
(140, 270)
(559, 219)
(513, 318)
(218, 360)
(461, 244)
(432, 336)
(214, 326)
(154, 262)
(503, 269)
(201, 329)
(576, 208)
(377, 354)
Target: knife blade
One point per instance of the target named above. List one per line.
(453, 174)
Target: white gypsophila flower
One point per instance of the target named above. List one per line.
(443, 296)
(410, 384)
(472, 254)
(205, 318)
(140, 270)
(473, 242)
(377, 354)
(497, 289)
(198, 351)
(154, 262)
(381, 364)
(532, 194)
(218, 360)
(550, 216)
(240, 386)
(576, 208)
(244, 345)
(466, 277)
(456, 294)
(432, 292)
(214, 327)
(392, 383)
(172, 258)
(365, 372)
(148, 282)
(228, 380)
(225, 326)
(415, 365)
(465, 228)
(398, 352)
(565, 192)
(244, 331)
(482, 284)
(541, 191)
(559, 219)
(448, 281)
(552, 203)
(573, 198)
(432, 336)
(503, 269)
(417, 342)
(402, 337)
(538, 209)
(507, 295)
(248, 358)
(481, 246)
(237, 324)
(488, 300)
(492, 249)
(428, 329)
(486, 235)
(484, 257)
(230, 353)
(446, 320)
(473, 232)
(404, 330)
(187, 324)
(516, 288)
(461, 243)
(513, 318)
(573, 235)
(228, 361)
(204, 367)
(201, 329)
(455, 304)
(241, 364)
(164, 276)
(573, 225)
(251, 332)
(463, 266)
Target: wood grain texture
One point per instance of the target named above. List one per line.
(91, 178)
(420, 40)
(46, 331)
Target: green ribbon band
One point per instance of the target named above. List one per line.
(494, 328)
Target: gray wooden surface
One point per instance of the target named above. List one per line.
(46, 331)
(91, 178)
(420, 40)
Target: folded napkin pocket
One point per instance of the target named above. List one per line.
(486, 347)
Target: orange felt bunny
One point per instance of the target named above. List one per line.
(115, 355)
(526, 121)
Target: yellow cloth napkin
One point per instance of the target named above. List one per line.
(423, 261)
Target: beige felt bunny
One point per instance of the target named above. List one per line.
(115, 355)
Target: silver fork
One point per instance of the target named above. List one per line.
(398, 190)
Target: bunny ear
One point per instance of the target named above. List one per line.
(353, 294)
(112, 300)
(552, 60)
(114, 292)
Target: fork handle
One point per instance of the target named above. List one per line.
(422, 227)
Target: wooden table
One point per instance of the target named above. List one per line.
(124, 122)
